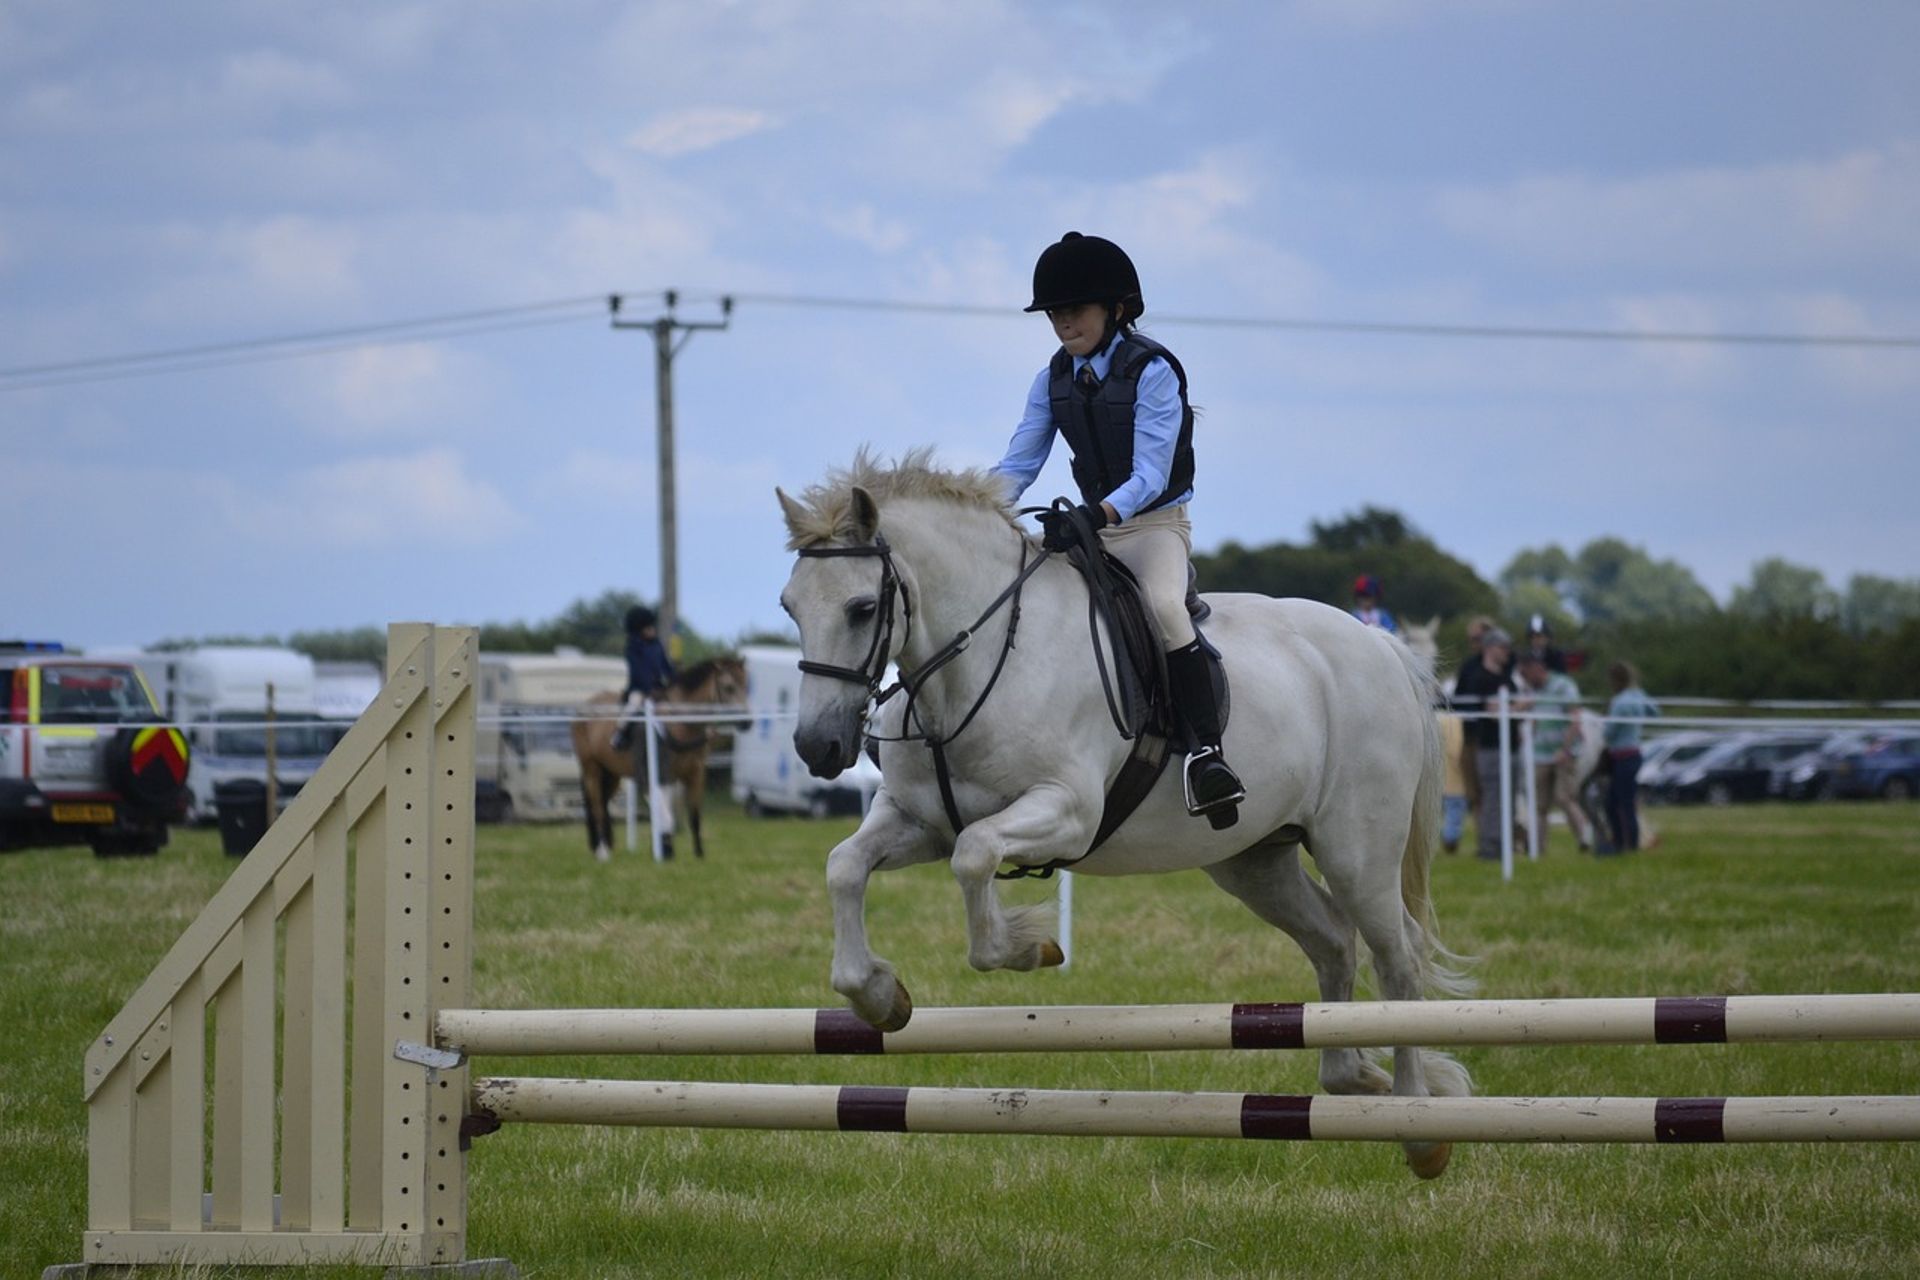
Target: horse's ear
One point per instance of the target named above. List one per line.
(795, 513)
(1433, 625)
(866, 515)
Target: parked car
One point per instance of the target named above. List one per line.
(84, 755)
(1809, 775)
(1736, 769)
(1662, 757)
(1888, 767)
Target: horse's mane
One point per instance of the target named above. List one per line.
(698, 674)
(824, 511)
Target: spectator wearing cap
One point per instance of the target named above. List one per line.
(1554, 698)
(1540, 641)
(1367, 606)
(1476, 693)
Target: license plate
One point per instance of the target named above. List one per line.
(83, 813)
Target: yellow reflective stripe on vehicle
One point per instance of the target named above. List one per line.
(33, 695)
(152, 701)
(66, 731)
(142, 738)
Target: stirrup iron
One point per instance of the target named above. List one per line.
(1221, 812)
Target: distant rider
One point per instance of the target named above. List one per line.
(648, 668)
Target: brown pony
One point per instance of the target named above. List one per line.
(713, 682)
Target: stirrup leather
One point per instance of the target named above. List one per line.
(1201, 757)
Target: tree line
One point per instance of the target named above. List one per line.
(1785, 633)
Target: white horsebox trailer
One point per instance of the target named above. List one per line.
(768, 774)
(525, 741)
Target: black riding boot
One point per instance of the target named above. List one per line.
(1213, 789)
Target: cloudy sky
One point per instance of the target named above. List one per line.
(197, 175)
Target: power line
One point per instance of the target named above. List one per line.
(315, 335)
(1381, 327)
(527, 315)
(117, 374)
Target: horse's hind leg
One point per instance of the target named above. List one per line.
(1367, 886)
(1269, 879)
(696, 794)
(593, 783)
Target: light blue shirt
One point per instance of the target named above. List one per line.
(1629, 706)
(1156, 430)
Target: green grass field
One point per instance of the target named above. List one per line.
(1766, 899)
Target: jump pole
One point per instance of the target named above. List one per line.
(1086, 1113)
(1149, 1028)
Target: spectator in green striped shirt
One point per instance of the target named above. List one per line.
(1556, 739)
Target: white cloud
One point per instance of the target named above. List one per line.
(268, 76)
(428, 498)
(860, 223)
(1859, 208)
(599, 478)
(407, 386)
(679, 133)
(296, 257)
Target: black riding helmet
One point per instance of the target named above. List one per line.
(639, 618)
(1085, 269)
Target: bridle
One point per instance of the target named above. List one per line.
(873, 668)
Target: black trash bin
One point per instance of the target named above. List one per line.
(242, 806)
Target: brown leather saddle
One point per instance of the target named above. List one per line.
(1139, 696)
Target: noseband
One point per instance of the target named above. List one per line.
(873, 668)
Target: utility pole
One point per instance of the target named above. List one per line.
(664, 350)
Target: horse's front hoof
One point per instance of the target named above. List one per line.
(1428, 1159)
(901, 1011)
(1051, 956)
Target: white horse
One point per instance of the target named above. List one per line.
(1331, 730)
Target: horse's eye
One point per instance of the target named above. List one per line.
(860, 612)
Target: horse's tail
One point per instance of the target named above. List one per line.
(1443, 972)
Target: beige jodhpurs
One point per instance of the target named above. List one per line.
(1156, 545)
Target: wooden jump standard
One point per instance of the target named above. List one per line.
(328, 1047)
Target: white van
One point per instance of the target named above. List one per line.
(524, 745)
(218, 694)
(768, 774)
(342, 691)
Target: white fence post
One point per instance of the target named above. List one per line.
(1530, 786)
(659, 814)
(1503, 713)
(630, 794)
(1066, 918)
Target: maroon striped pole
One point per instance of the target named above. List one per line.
(1109, 1028)
(867, 1109)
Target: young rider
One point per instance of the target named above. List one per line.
(1120, 400)
(648, 668)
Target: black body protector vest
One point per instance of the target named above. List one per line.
(1099, 428)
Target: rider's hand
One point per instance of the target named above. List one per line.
(1057, 532)
(1062, 533)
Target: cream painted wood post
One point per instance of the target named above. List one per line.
(388, 819)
